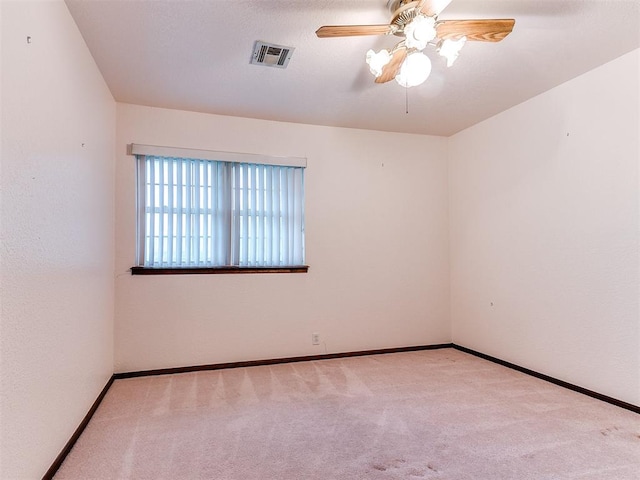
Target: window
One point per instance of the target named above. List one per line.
(201, 213)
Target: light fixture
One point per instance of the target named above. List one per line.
(450, 49)
(377, 61)
(419, 32)
(415, 69)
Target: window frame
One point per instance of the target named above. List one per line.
(138, 150)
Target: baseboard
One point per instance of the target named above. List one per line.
(253, 363)
(74, 438)
(275, 361)
(555, 381)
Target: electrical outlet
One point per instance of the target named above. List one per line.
(315, 339)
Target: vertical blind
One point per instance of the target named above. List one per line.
(204, 213)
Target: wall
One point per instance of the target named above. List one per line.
(544, 232)
(544, 239)
(56, 232)
(376, 243)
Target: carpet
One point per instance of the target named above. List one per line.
(433, 414)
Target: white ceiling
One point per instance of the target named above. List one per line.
(195, 54)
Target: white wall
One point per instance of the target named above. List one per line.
(56, 232)
(544, 204)
(544, 224)
(376, 243)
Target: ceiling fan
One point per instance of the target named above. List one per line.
(417, 21)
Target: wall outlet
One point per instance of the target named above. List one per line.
(315, 339)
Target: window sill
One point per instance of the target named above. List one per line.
(216, 270)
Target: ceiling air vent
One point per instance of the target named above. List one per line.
(271, 55)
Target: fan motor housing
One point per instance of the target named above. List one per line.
(394, 5)
(403, 12)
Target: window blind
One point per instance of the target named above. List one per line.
(204, 213)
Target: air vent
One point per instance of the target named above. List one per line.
(271, 55)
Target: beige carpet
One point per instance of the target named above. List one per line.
(439, 414)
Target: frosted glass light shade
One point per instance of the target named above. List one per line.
(450, 49)
(420, 32)
(415, 69)
(377, 61)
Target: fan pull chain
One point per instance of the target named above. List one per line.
(406, 99)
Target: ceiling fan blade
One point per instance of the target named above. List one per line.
(352, 30)
(432, 8)
(475, 30)
(390, 70)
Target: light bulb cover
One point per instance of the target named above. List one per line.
(415, 69)
(419, 32)
(377, 61)
(450, 49)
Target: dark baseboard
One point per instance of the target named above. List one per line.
(74, 438)
(555, 381)
(327, 356)
(275, 361)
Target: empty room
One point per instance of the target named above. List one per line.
(322, 239)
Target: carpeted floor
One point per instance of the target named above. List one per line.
(438, 414)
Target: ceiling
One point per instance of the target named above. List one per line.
(194, 55)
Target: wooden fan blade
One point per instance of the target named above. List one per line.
(352, 30)
(475, 30)
(432, 8)
(390, 70)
